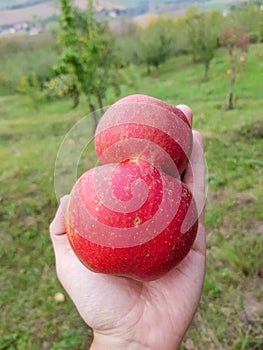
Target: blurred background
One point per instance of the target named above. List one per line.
(62, 60)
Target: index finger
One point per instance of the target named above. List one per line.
(195, 179)
(195, 174)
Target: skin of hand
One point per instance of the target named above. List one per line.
(127, 314)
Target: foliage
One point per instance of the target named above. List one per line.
(87, 54)
(30, 87)
(127, 35)
(61, 86)
(156, 42)
(250, 17)
(17, 43)
(130, 77)
(182, 44)
(203, 34)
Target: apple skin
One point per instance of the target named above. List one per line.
(131, 219)
(140, 126)
(145, 99)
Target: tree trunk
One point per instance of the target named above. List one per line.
(230, 95)
(94, 114)
(75, 96)
(148, 69)
(229, 102)
(206, 69)
(100, 101)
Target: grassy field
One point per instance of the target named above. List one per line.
(230, 315)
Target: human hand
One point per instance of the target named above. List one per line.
(127, 314)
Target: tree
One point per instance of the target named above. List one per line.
(87, 54)
(127, 33)
(250, 17)
(203, 34)
(183, 46)
(156, 42)
(243, 25)
(233, 39)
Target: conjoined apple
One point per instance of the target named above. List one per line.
(148, 128)
(130, 217)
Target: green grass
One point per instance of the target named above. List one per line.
(31, 318)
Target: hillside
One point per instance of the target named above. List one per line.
(36, 312)
(14, 11)
(25, 10)
(43, 10)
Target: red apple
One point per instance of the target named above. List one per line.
(131, 219)
(145, 99)
(144, 127)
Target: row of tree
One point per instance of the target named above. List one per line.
(197, 33)
(92, 53)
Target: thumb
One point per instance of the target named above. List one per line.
(57, 229)
(187, 111)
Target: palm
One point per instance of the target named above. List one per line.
(127, 308)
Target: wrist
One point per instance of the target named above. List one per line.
(109, 342)
(105, 342)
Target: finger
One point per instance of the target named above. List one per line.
(195, 174)
(57, 230)
(187, 111)
(57, 226)
(195, 179)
